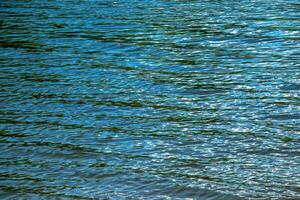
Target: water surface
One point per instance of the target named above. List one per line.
(150, 99)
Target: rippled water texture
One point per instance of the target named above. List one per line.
(150, 99)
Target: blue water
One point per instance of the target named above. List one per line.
(150, 99)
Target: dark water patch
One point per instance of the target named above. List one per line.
(284, 117)
(202, 92)
(20, 44)
(291, 87)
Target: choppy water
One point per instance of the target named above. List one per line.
(150, 99)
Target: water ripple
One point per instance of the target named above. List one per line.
(150, 99)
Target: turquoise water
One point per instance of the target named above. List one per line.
(150, 99)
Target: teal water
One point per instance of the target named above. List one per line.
(150, 99)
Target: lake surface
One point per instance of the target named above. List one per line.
(150, 99)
